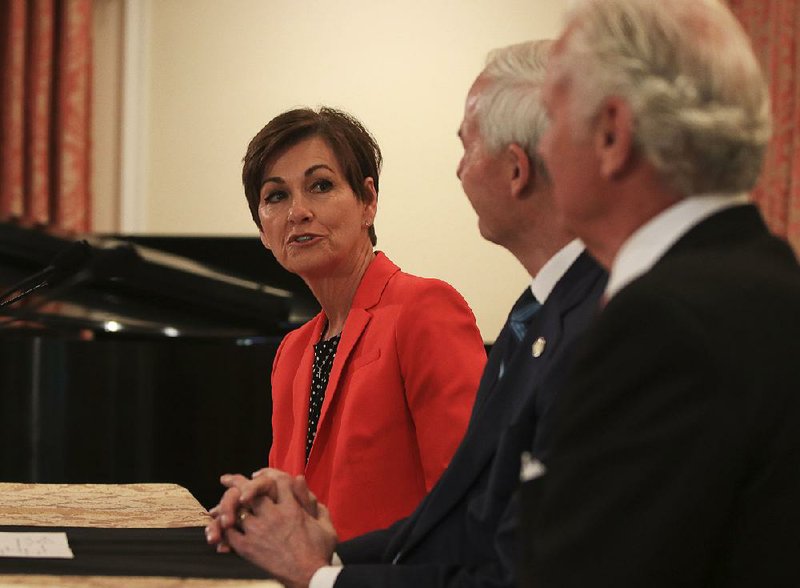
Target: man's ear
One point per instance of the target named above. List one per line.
(371, 201)
(263, 238)
(614, 136)
(521, 172)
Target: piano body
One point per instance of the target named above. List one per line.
(152, 367)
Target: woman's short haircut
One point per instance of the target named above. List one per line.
(688, 72)
(356, 150)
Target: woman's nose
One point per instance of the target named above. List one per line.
(299, 211)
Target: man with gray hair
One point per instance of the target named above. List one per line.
(675, 460)
(462, 533)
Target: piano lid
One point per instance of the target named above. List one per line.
(134, 289)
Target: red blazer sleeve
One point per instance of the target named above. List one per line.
(442, 357)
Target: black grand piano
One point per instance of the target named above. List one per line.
(151, 364)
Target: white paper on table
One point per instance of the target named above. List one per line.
(34, 544)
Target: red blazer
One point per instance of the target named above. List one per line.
(398, 399)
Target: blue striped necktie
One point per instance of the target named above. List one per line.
(518, 321)
(522, 313)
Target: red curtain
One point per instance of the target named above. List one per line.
(45, 88)
(773, 26)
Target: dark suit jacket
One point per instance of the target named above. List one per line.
(452, 538)
(677, 458)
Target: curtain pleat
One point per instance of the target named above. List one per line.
(40, 104)
(12, 171)
(71, 209)
(773, 26)
(45, 52)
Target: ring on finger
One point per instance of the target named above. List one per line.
(240, 517)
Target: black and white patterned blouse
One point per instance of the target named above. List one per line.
(324, 352)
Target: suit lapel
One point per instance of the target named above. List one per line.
(489, 378)
(499, 400)
(357, 321)
(367, 296)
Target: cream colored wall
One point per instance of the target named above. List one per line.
(219, 71)
(107, 27)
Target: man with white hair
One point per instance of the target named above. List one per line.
(462, 534)
(676, 461)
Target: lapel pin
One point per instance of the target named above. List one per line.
(538, 347)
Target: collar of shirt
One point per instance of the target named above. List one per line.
(555, 268)
(650, 241)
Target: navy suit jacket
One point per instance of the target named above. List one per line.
(677, 458)
(453, 538)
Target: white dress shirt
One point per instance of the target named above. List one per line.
(554, 269)
(650, 241)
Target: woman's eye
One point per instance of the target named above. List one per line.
(322, 186)
(274, 196)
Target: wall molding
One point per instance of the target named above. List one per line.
(134, 178)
